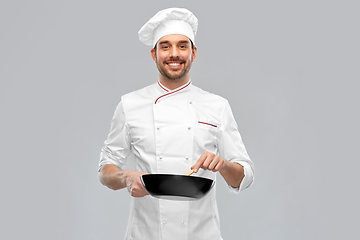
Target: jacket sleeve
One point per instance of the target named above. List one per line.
(232, 148)
(117, 145)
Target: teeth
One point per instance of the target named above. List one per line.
(174, 64)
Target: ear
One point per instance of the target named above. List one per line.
(153, 54)
(194, 53)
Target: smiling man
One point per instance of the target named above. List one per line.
(171, 127)
(174, 55)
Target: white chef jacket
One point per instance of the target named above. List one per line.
(167, 131)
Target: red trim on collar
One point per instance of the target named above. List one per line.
(172, 92)
(162, 86)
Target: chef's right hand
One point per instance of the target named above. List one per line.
(115, 179)
(133, 183)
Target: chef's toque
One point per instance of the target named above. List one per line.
(166, 22)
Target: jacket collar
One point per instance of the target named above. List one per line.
(167, 92)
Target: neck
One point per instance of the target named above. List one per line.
(173, 83)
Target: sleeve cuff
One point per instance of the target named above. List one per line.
(247, 180)
(105, 159)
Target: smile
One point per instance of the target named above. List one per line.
(174, 64)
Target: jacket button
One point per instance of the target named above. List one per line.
(182, 222)
(187, 158)
(164, 223)
(189, 128)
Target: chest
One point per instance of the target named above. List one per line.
(172, 134)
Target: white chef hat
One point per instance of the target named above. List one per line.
(166, 22)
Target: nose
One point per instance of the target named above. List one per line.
(174, 52)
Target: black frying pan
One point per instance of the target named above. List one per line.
(176, 187)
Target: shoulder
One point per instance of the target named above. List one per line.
(140, 97)
(144, 92)
(209, 99)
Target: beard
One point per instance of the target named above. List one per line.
(174, 74)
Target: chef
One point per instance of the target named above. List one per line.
(171, 127)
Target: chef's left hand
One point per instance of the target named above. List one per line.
(209, 161)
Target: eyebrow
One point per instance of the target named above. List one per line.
(184, 41)
(163, 42)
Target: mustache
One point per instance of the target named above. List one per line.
(176, 58)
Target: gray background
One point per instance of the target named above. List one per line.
(290, 70)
